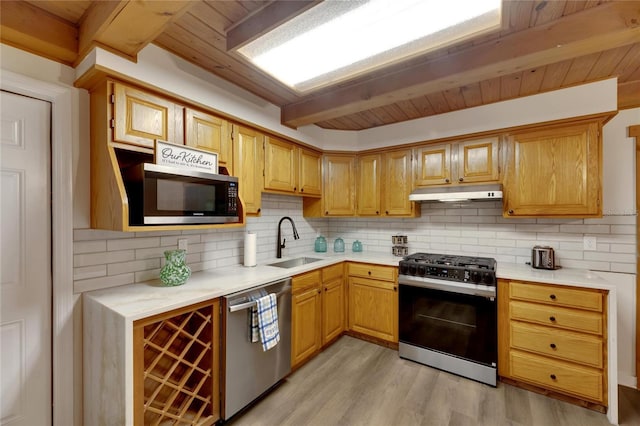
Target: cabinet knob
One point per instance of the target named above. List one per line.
(395, 288)
(295, 188)
(319, 291)
(510, 212)
(377, 212)
(369, 272)
(552, 376)
(386, 212)
(327, 212)
(552, 296)
(461, 179)
(326, 289)
(446, 180)
(301, 189)
(552, 346)
(552, 319)
(259, 210)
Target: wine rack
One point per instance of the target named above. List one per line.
(176, 367)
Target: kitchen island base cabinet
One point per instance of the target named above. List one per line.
(373, 301)
(175, 367)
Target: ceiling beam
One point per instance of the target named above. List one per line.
(30, 28)
(126, 27)
(266, 19)
(606, 26)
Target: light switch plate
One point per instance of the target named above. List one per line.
(590, 243)
(182, 243)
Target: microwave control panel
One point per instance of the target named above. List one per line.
(233, 197)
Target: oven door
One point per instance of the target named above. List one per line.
(449, 322)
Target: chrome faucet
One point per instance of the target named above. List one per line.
(281, 245)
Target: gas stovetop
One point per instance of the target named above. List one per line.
(477, 270)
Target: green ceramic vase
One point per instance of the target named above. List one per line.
(175, 271)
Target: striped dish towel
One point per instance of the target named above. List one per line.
(268, 321)
(254, 331)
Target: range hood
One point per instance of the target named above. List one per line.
(458, 193)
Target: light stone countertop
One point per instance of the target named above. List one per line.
(136, 301)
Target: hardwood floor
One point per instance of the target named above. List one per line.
(359, 383)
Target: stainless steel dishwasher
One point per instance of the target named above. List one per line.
(248, 371)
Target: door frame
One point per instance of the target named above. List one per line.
(634, 132)
(63, 119)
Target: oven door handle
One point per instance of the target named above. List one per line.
(451, 286)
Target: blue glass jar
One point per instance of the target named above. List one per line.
(356, 247)
(338, 245)
(320, 245)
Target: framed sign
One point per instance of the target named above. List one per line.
(169, 154)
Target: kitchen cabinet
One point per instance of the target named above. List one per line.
(176, 367)
(140, 118)
(369, 185)
(373, 301)
(248, 166)
(306, 316)
(333, 303)
(290, 168)
(472, 161)
(210, 133)
(554, 338)
(555, 172)
(338, 188)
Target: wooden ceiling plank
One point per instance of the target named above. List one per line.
(472, 95)
(629, 64)
(490, 90)
(70, 11)
(438, 102)
(30, 28)
(510, 86)
(409, 109)
(580, 68)
(519, 16)
(572, 36)
(548, 11)
(127, 26)
(454, 98)
(608, 62)
(629, 95)
(555, 75)
(423, 105)
(574, 6)
(531, 81)
(206, 12)
(266, 19)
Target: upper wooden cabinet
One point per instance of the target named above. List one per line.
(292, 169)
(369, 185)
(205, 131)
(249, 164)
(338, 188)
(139, 118)
(555, 172)
(470, 161)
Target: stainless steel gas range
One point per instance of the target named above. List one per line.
(448, 314)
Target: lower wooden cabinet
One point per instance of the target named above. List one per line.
(176, 366)
(306, 316)
(373, 301)
(553, 337)
(333, 302)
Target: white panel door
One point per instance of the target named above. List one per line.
(25, 253)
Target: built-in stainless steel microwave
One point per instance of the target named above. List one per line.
(165, 195)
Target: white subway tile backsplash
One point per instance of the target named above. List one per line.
(476, 229)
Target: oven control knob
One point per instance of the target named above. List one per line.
(404, 269)
(422, 270)
(412, 269)
(487, 278)
(475, 276)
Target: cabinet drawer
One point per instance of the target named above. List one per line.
(332, 272)
(569, 319)
(384, 273)
(579, 381)
(304, 281)
(560, 344)
(557, 296)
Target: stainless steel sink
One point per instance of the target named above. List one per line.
(292, 263)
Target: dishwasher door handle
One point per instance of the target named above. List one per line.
(247, 305)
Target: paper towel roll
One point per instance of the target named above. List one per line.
(250, 249)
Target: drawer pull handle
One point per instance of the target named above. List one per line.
(552, 319)
(552, 346)
(552, 297)
(553, 377)
(369, 272)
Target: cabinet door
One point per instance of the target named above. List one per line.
(248, 168)
(310, 172)
(368, 185)
(398, 183)
(478, 160)
(176, 366)
(339, 185)
(140, 118)
(204, 131)
(555, 172)
(280, 166)
(433, 166)
(332, 309)
(306, 316)
(373, 308)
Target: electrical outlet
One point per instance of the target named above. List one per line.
(590, 243)
(182, 243)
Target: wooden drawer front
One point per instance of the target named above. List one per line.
(384, 273)
(309, 279)
(558, 296)
(559, 344)
(332, 272)
(570, 319)
(579, 381)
